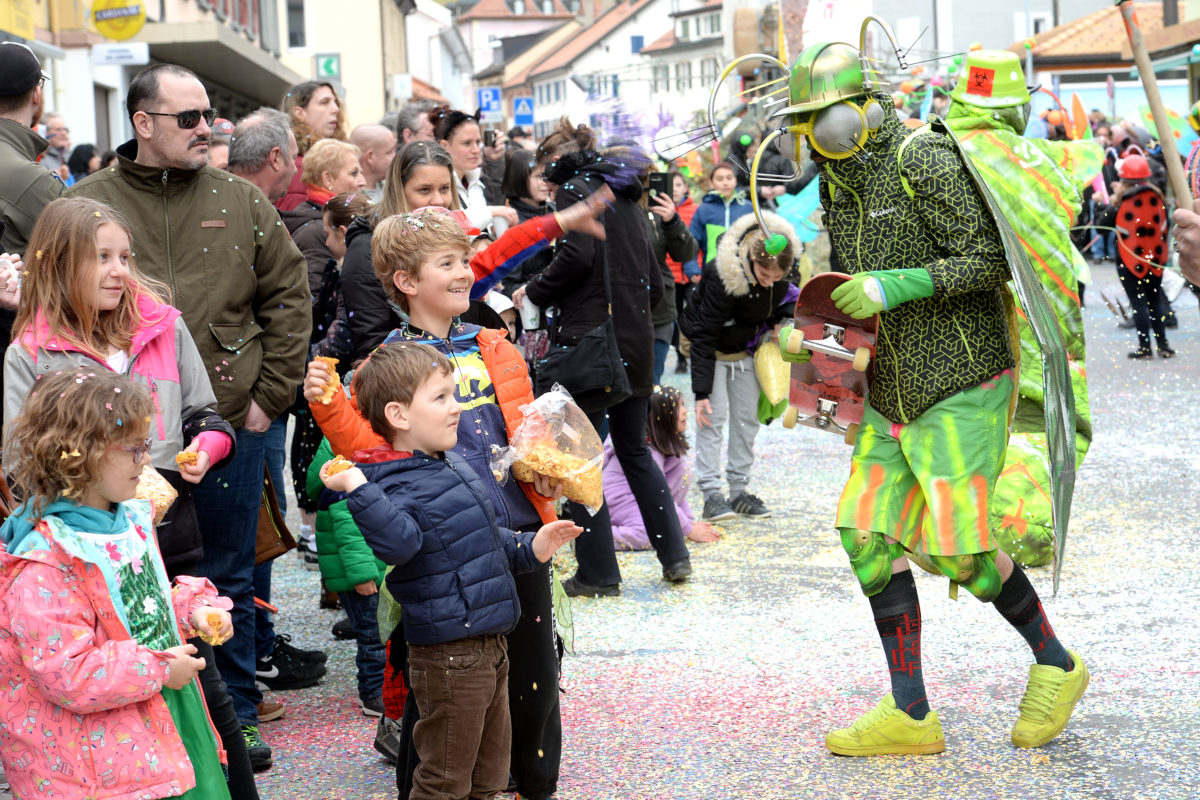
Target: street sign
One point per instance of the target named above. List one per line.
(523, 111)
(125, 53)
(489, 104)
(329, 66)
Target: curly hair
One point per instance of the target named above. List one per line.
(68, 424)
(299, 96)
(60, 280)
(401, 243)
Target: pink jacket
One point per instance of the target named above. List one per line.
(81, 708)
(629, 531)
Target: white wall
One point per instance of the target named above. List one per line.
(71, 94)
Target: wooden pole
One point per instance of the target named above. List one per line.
(1141, 57)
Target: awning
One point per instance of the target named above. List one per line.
(1167, 63)
(218, 52)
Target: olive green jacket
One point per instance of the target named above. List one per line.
(931, 348)
(26, 187)
(233, 271)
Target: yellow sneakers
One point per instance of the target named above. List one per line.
(886, 730)
(1049, 699)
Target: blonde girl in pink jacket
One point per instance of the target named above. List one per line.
(98, 692)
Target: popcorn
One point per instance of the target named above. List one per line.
(581, 479)
(327, 396)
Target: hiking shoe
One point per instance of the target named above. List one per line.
(269, 711)
(1165, 352)
(388, 739)
(342, 629)
(256, 748)
(886, 730)
(577, 588)
(281, 670)
(1050, 697)
(1140, 354)
(717, 508)
(681, 366)
(677, 571)
(749, 505)
(283, 644)
(372, 707)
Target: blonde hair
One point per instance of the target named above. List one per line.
(69, 422)
(299, 96)
(414, 156)
(401, 243)
(392, 374)
(59, 278)
(325, 156)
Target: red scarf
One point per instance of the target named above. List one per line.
(317, 196)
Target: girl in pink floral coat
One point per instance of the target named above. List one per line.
(98, 697)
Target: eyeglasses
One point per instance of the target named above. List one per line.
(136, 450)
(190, 118)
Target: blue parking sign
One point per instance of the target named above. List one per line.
(523, 111)
(490, 105)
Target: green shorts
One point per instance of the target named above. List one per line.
(927, 484)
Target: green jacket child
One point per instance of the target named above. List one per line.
(342, 553)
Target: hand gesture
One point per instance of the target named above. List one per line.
(505, 213)
(496, 151)
(858, 297)
(194, 473)
(184, 666)
(801, 357)
(316, 379)
(662, 207)
(553, 536)
(703, 532)
(214, 624)
(345, 481)
(581, 217)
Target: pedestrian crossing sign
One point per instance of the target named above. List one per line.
(523, 111)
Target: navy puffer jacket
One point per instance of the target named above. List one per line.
(432, 518)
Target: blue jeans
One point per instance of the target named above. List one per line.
(661, 349)
(371, 654)
(264, 626)
(227, 504)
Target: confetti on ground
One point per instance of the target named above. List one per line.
(724, 687)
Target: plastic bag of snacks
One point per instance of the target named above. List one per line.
(154, 487)
(555, 439)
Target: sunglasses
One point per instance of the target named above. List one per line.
(190, 118)
(136, 450)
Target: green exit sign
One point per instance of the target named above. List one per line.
(329, 66)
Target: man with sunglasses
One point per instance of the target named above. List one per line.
(242, 286)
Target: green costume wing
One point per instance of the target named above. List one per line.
(1059, 402)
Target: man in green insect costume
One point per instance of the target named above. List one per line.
(1038, 184)
(917, 231)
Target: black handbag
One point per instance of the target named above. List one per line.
(591, 369)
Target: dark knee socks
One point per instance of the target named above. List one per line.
(898, 620)
(1019, 604)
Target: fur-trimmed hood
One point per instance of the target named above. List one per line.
(733, 253)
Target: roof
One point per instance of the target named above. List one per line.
(499, 9)
(517, 70)
(668, 42)
(510, 48)
(605, 24)
(711, 5)
(1098, 38)
(426, 91)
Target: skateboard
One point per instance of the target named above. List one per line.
(829, 393)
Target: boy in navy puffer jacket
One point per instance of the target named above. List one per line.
(420, 507)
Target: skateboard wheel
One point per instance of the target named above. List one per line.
(790, 416)
(862, 357)
(851, 433)
(795, 342)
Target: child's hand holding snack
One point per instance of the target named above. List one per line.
(193, 463)
(321, 380)
(552, 536)
(547, 486)
(214, 625)
(340, 475)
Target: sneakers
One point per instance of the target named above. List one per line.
(283, 644)
(342, 629)
(717, 508)
(387, 738)
(748, 505)
(677, 571)
(1050, 697)
(307, 555)
(886, 730)
(577, 588)
(372, 707)
(269, 711)
(285, 669)
(256, 748)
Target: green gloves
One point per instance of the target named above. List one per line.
(869, 293)
(803, 357)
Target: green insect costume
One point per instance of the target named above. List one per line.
(1038, 185)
